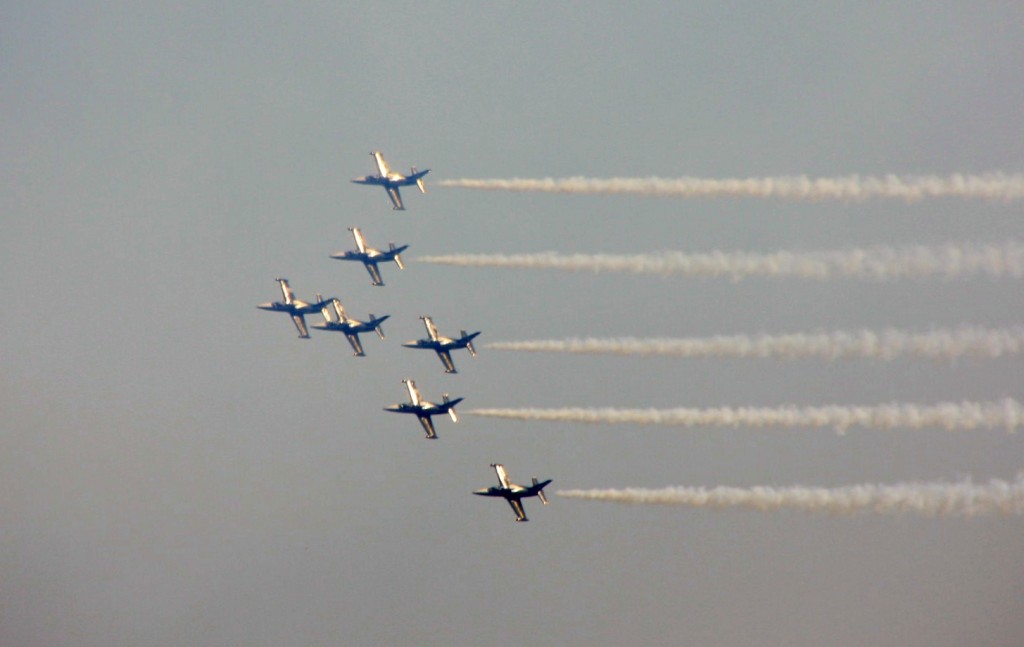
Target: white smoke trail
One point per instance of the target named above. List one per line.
(886, 345)
(875, 263)
(930, 499)
(1006, 414)
(996, 186)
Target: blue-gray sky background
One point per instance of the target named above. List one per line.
(177, 468)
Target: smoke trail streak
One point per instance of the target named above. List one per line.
(886, 345)
(929, 499)
(996, 186)
(875, 263)
(1007, 414)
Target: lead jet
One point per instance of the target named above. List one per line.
(391, 181)
(297, 309)
(423, 409)
(369, 256)
(515, 493)
(443, 345)
(351, 327)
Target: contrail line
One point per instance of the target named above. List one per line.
(1006, 414)
(967, 499)
(995, 186)
(1005, 260)
(943, 344)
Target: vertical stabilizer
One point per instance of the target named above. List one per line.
(398, 257)
(324, 311)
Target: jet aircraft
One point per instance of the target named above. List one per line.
(391, 181)
(423, 409)
(514, 493)
(351, 327)
(369, 256)
(443, 345)
(297, 309)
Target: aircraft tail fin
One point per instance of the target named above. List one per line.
(540, 493)
(419, 182)
(324, 311)
(451, 410)
(469, 344)
(377, 329)
(398, 257)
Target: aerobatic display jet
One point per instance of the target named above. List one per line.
(391, 181)
(423, 409)
(351, 327)
(515, 493)
(443, 345)
(297, 309)
(369, 256)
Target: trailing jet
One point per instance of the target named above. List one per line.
(369, 256)
(423, 409)
(351, 327)
(514, 493)
(443, 345)
(391, 181)
(297, 309)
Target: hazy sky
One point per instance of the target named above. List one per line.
(176, 468)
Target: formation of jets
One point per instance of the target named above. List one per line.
(336, 319)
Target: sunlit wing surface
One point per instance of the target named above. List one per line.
(396, 198)
(300, 324)
(428, 426)
(517, 506)
(431, 328)
(446, 359)
(414, 394)
(357, 347)
(499, 469)
(374, 273)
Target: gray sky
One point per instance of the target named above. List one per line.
(177, 468)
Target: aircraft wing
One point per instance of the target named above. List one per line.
(357, 347)
(517, 506)
(396, 198)
(428, 426)
(300, 324)
(446, 359)
(374, 273)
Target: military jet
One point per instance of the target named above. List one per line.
(369, 256)
(351, 327)
(443, 345)
(423, 409)
(297, 309)
(514, 493)
(391, 181)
